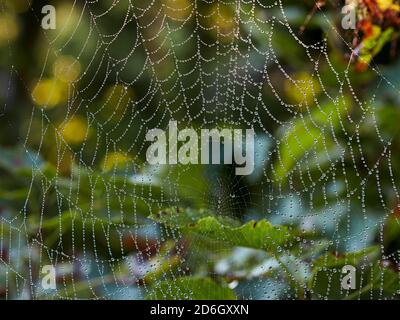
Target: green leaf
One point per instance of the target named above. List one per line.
(258, 235)
(371, 46)
(309, 135)
(381, 282)
(254, 234)
(332, 260)
(325, 281)
(193, 288)
(178, 217)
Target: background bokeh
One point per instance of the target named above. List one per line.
(76, 191)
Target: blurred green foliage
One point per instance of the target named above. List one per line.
(76, 192)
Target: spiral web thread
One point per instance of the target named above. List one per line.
(213, 63)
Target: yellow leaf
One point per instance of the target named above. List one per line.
(75, 130)
(66, 68)
(9, 28)
(114, 160)
(302, 89)
(178, 9)
(48, 93)
(384, 4)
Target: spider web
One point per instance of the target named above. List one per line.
(126, 67)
